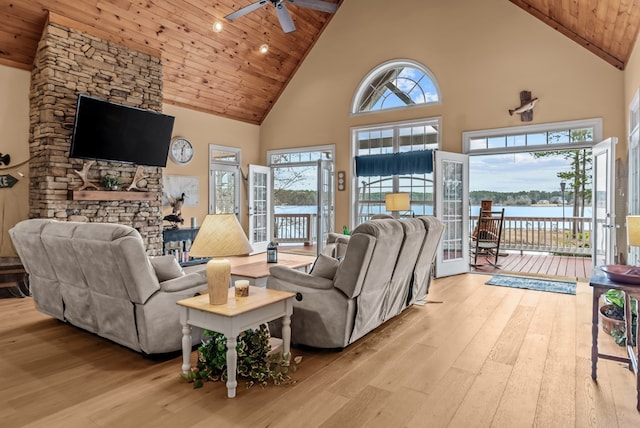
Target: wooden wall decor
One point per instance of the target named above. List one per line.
(526, 107)
(7, 180)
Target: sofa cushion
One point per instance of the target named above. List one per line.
(166, 267)
(325, 267)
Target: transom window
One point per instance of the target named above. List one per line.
(543, 137)
(396, 84)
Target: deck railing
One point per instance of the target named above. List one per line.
(295, 228)
(568, 235)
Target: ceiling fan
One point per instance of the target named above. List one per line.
(283, 14)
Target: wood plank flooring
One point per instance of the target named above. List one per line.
(485, 357)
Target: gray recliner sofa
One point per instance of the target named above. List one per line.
(98, 277)
(386, 268)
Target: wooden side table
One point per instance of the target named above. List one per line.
(12, 271)
(601, 284)
(239, 314)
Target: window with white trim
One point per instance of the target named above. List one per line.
(369, 192)
(224, 180)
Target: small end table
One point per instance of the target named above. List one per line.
(601, 284)
(237, 315)
(11, 270)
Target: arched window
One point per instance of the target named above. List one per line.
(396, 84)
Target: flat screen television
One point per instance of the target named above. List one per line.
(113, 132)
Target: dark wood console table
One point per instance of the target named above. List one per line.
(601, 284)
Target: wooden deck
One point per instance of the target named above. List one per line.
(532, 264)
(539, 264)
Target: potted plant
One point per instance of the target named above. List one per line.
(111, 182)
(612, 315)
(255, 363)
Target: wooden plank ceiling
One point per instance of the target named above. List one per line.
(224, 74)
(220, 73)
(608, 28)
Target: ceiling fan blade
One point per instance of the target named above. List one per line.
(322, 6)
(240, 12)
(285, 18)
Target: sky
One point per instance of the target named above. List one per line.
(515, 172)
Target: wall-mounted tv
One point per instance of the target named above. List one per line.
(113, 132)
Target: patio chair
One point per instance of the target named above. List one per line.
(485, 240)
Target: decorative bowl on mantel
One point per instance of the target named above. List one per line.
(622, 273)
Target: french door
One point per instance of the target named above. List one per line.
(259, 191)
(326, 202)
(451, 197)
(603, 202)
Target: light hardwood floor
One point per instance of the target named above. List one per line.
(485, 356)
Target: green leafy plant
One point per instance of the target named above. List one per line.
(255, 365)
(616, 298)
(109, 181)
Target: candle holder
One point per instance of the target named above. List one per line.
(242, 288)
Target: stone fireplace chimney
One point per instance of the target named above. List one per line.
(70, 62)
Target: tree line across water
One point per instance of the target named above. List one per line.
(523, 198)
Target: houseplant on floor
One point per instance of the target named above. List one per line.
(613, 316)
(255, 364)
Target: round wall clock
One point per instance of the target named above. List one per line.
(181, 150)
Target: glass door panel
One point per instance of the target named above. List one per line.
(259, 207)
(452, 208)
(326, 221)
(603, 200)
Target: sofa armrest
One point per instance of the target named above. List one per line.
(301, 279)
(185, 282)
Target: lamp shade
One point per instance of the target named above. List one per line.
(397, 201)
(633, 230)
(220, 235)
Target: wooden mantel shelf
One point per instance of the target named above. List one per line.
(110, 195)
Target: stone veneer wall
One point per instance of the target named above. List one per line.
(68, 63)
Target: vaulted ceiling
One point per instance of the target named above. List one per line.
(225, 74)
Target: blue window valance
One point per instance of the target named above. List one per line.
(416, 162)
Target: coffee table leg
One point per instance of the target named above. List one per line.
(232, 363)
(186, 341)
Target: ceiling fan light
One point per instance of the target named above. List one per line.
(264, 48)
(217, 26)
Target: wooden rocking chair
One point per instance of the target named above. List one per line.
(485, 240)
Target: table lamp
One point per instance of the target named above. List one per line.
(219, 235)
(395, 202)
(633, 232)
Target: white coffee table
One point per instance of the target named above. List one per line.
(239, 314)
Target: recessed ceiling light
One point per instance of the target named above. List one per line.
(217, 26)
(264, 48)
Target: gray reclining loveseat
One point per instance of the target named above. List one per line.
(386, 268)
(97, 276)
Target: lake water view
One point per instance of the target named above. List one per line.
(509, 211)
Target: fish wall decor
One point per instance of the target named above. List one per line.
(526, 107)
